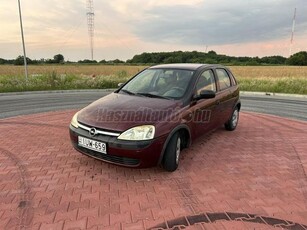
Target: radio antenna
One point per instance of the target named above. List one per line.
(90, 23)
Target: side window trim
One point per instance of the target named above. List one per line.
(233, 80)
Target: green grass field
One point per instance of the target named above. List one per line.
(277, 79)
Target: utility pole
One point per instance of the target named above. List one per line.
(292, 33)
(23, 43)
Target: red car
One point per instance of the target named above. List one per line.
(157, 113)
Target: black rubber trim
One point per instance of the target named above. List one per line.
(125, 161)
(209, 218)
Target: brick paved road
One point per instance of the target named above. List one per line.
(255, 178)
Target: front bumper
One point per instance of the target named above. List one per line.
(138, 154)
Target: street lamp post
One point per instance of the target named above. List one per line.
(23, 43)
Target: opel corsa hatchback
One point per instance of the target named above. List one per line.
(157, 113)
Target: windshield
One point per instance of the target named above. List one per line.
(160, 83)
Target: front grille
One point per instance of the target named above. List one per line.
(99, 131)
(111, 158)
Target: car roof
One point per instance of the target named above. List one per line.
(185, 66)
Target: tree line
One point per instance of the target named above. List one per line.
(211, 57)
(57, 59)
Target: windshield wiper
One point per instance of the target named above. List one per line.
(127, 91)
(152, 95)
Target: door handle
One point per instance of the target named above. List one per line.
(218, 102)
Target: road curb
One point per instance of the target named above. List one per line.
(243, 93)
(56, 91)
(247, 93)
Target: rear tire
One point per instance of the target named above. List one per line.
(172, 153)
(232, 123)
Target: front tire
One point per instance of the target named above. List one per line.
(172, 153)
(232, 123)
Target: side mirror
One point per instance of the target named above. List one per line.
(120, 84)
(205, 94)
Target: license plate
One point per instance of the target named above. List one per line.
(93, 145)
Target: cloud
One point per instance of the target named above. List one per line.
(124, 28)
(215, 24)
(137, 8)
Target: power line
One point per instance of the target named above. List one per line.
(68, 35)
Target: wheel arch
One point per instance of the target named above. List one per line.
(184, 131)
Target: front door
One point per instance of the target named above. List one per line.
(204, 110)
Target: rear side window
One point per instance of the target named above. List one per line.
(233, 79)
(223, 79)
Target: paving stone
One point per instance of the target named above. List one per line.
(254, 177)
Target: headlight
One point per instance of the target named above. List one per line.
(139, 133)
(74, 121)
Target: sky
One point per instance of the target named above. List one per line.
(124, 28)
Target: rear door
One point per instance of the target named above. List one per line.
(225, 95)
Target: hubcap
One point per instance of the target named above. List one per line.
(178, 150)
(234, 118)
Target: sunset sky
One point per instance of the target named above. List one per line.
(124, 28)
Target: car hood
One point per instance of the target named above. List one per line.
(119, 112)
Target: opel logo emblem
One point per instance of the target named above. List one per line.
(92, 132)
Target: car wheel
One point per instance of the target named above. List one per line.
(172, 153)
(232, 123)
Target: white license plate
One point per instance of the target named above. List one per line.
(93, 145)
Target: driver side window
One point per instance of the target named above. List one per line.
(206, 81)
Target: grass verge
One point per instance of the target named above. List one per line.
(54, 81)
(275, 85)
(262, 79)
